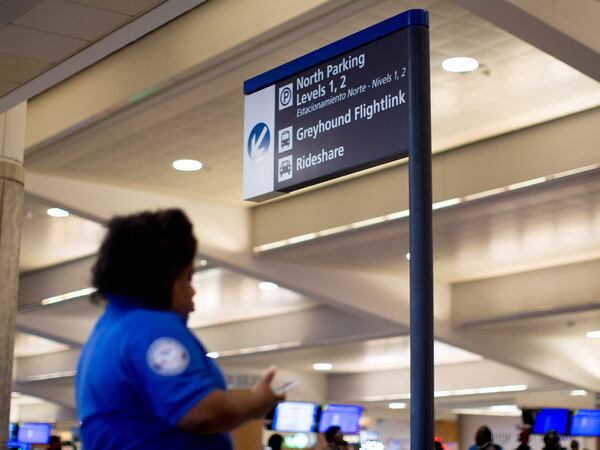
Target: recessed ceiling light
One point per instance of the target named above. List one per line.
(203, 262)
(267, 286)
(396, 405)
(322, 366)
(57, 212)
(460, 64)
(593, 334)
(578, 393)
(187, 165)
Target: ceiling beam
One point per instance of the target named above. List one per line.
(477, 374)
(116, 40)
(216, 225)
(313, 327)
(525, 295)
(524, 21)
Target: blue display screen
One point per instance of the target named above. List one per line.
(34, 433)
(586, 422)
(344, 416)
(296, 417)
(551, 419)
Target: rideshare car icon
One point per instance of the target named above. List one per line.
(285, 168)
(284, 172)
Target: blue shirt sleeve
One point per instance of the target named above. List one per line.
(172, 372)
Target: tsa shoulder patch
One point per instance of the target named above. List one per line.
(167, 356)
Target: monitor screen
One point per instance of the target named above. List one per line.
(586, 422)
(34, 433)
(13, 430)
(551, 419)
(295, 417)
(344, 416)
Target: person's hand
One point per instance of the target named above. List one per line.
(263, 388)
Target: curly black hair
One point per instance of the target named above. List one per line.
(142, 255)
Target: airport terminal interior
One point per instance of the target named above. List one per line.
(106, 95)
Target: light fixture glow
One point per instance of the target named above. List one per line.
(213, 355)
(460, 64)
(322, 366)
(267, 286)
(57, 212)
(407, 256)
(259, 349)
(504, 408)
(187, 165)
(68, 296)
(593, 334)
(446, 203)
(578, 393)
(386, 359)
(455, 392)
(51, 376)
(203, 262)
(396, 405)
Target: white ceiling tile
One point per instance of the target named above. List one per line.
(11, 9)
(129, 7)
(34, 44)
(73, 20)
(6, 86)
(19, 69)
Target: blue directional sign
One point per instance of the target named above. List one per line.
(332, 112)
(259, 141)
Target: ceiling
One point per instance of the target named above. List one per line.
(203, 121)
(226, 296)
(46, 241)
(36, 35)
(553, 222)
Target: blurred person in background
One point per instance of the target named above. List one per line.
(335, 439)
(275, 442)
(552, 441)
(524, 440)
(483, 440)
(54, 443)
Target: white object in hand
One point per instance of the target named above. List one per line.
(286, 387)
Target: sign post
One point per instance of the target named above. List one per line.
(359, 102)
(421, 245)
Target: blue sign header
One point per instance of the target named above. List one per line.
(413, 17)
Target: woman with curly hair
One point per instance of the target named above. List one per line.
(143, 379)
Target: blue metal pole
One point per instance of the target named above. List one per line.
(421, 246)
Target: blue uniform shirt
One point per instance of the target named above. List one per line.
(139, 373)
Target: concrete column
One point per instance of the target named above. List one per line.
(12, 144)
